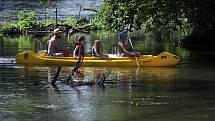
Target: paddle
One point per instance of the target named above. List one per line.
(134, 51)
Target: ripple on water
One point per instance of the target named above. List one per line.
(47, 106)
(7, 116)
(149, 101)
(8, 60)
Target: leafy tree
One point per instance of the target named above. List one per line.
(156, 15)
(200, 13)
(26, 20)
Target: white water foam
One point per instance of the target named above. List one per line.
(8, 60)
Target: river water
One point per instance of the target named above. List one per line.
(46, 9)
(181, 93)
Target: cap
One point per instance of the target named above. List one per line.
(122, 34)
(98, 41)
(56, 31)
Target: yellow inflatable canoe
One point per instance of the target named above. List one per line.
(163, 59)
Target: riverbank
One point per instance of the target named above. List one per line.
(28, 23)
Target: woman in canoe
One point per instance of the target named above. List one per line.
(79, 47)
(122, 46)
(53, 45)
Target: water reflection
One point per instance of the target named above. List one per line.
(131, 92)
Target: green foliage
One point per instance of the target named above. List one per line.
(26, 20)
(9, 28)
(70, 21)
(130, 14)
(97, 25)
(200, 14)
(82, 21)
(155, 15)
(49, 23)
(101, 19)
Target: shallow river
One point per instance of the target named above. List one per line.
(181, 93)
(46, 9)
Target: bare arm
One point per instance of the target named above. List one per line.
(75, 50)
(49, 47)
(127, 53)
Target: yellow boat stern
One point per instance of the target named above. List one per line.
(29, 58)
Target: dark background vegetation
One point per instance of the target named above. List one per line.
(160, 15)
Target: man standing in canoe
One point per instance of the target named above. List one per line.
(122, 46)
(53, 45)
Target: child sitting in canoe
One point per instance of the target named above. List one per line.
(79, 47)
(97, 49)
